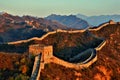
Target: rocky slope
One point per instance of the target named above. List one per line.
(13, 28)
(70, 21)
(15, 66)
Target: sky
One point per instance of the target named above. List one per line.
(43, 8)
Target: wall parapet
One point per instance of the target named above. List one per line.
(76, 66)
(99, 27)
(36, 68)
(103, 25)
(89, 54)
(44, 36)
(101, 45)
(60, 30)
(89, 61)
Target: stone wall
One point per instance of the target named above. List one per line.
(72, 65)
(53, 32)
(99, 27)
(39, 65)
(47, 51)
(59, 30)
(48, 57)
(36, 68)
(47, 54)
(112, 22)
(44, 36)
(53, 59)
(101, 46)
(35, 49)
(89, 54)
(103, 25)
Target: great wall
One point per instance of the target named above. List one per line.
(64, 31)
(52, 59)
(43, 56)
(44, 36)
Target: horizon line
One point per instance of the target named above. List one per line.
(75, 14)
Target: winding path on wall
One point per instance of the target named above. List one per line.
(86, 63)
(83, 64)
(44, 36)
(99, 27)
(36, 68)
(84, 56)
(59, 30)
(103, 25)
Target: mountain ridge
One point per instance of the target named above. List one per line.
(65, 42)
(70, 21)
(98, 19)
(26, 26)
(106, 67)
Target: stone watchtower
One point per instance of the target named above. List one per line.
(111, 22)
(46, 51)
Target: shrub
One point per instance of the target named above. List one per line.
(22, 77)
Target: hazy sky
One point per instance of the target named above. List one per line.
(65, 7)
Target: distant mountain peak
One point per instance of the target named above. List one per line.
(56, 15)
(98, 19)
(70, 21)
(26, 26)
(82, 16)
(72, 16)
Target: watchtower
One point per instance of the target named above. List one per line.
(111, 22)
(46, 51)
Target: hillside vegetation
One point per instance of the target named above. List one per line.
(14, 28)
(66, 45)
(15, 66)
(107, 66)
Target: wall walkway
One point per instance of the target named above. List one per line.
(44, 36)
(86, 63)
(36, 68)
(59, 30)
(89, 61)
